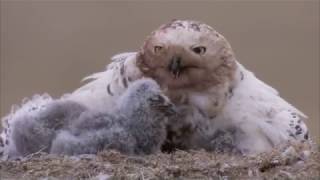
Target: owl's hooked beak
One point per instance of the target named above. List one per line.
(175, 66)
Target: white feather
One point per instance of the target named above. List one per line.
(259, 111)
(95, 94)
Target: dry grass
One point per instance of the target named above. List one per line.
(292, 163)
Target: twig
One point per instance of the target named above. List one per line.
(32, 154)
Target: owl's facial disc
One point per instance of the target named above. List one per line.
(186, 54)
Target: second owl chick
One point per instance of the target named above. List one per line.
(33, 131)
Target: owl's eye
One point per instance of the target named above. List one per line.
(199, 50)
(157, 49)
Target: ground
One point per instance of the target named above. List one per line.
(291, 163)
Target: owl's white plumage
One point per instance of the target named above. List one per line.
(102, 93)
(197, 69)
(262, 115)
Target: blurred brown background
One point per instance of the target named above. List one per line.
(49, 46)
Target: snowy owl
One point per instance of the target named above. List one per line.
(137, 126)
(197, 69)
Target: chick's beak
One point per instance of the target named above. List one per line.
(175, 66)
(171, 109)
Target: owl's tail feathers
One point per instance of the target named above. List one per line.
(30, 107)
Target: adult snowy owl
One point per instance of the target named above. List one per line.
(198, 70)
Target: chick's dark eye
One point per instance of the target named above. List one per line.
(157, 99)
(199, 50)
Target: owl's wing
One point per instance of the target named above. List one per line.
(105, 87)
(261, 113)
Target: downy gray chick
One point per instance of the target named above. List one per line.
(35, 132)
(137, 127)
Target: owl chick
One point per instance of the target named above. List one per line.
(31, 132)
(30, 107)
(197, 69)
(138, 126)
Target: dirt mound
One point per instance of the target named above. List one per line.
(291, 163)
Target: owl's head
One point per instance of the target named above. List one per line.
(181, 54)
(145, 96)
